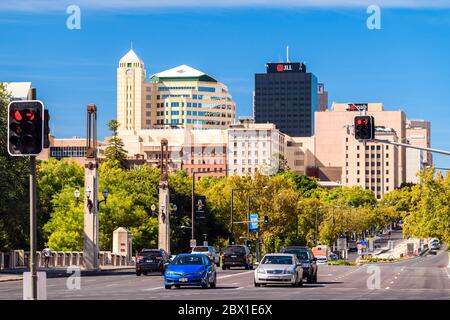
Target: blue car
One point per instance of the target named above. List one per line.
(190, 270)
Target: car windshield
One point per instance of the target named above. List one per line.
(187, 260)
(200, 249)
(235, 249)
(277, 260)
(301, 255)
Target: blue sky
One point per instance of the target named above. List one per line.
(405, 65)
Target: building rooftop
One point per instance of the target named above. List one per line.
(183, 72)
(18, 90)
(131, 56)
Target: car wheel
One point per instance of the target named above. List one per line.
(138, 274)
(251, 267)
(204, 286)
(224, 268)
(168, 286)
(177, 286)
(246, 266)
(257, 284)
(213, 284)
(300, 283)
(145, 273)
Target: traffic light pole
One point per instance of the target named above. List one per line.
(33, 227)
(413, 147)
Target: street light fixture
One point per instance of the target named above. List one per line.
(77, 195)
(88, 193)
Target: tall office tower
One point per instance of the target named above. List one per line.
(322, 97)
(130, 92)
(286, 95)
(180, 97)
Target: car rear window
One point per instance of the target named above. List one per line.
(150, 253)
(235, 249)
(301, 254)
(200, 249)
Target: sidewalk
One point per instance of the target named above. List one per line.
(16, 274)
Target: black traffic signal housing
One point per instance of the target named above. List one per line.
(46, 129)
(248, 243)
(266, 219)
(364, 127)
(25, 128)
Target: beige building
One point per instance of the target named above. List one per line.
(178, 97)
(339, 157)
(418, 133)
(72, 148)
(299, 154)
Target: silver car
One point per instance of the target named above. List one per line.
(279, 268)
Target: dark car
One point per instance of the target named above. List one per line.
(237, 256)
(307, 260)
(151, 260)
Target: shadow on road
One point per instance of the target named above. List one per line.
(200, 288)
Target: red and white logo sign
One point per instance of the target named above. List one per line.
(280, 67)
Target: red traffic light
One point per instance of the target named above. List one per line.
(17, 115)
(29, 115)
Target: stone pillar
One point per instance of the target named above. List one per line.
(164, 199)
(122, 243)
(90, 251)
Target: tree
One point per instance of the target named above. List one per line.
(115, 153)
(14, 189)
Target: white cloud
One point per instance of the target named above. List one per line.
(59, 5)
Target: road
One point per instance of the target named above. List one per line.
(418, 278)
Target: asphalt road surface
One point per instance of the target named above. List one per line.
(418, 278)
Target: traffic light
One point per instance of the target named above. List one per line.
(25, 128)
(266, 218)
(248, 243)
(364, 128)
(46, 129)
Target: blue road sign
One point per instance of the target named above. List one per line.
(253, 222)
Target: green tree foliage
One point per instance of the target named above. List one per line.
(115, 153)
(14, 189)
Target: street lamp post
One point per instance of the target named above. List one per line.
(193, 202)
(88, 193)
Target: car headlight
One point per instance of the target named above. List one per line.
(261, 270)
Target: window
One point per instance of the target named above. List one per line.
(357, 164)
(387, 164)
(387, 155)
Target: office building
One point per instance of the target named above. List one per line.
(322, 97)
(339, 157)
(287, 96)
(178, 97)
(418, 133)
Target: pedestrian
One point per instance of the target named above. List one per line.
(46, 253)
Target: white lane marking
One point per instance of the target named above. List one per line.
(392, 282)
(395, 278)
(235, 274)
(112, 285)
(387, 288)
(150, 289)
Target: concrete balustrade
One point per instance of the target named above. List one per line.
(20, 259)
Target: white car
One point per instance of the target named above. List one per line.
(279, 268)
(209, 251)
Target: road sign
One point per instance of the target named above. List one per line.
(193, 243)
(342, 244)
(200, 207)
(253, 222)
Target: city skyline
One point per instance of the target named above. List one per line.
(73, 71)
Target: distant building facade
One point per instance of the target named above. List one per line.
(322, 97)
(418, 133)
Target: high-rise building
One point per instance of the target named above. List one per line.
(286, 95)
(418, 133)
(322, 97)
(340, 157)
(18, 90)
(180, 97)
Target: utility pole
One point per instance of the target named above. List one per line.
(33, 222)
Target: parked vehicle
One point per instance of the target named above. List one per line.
(322, 260)
(237, 256)
(322, 253)
(151, 260)
(190, 270)
(307, 260)
(279, 268)
(210, 251)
